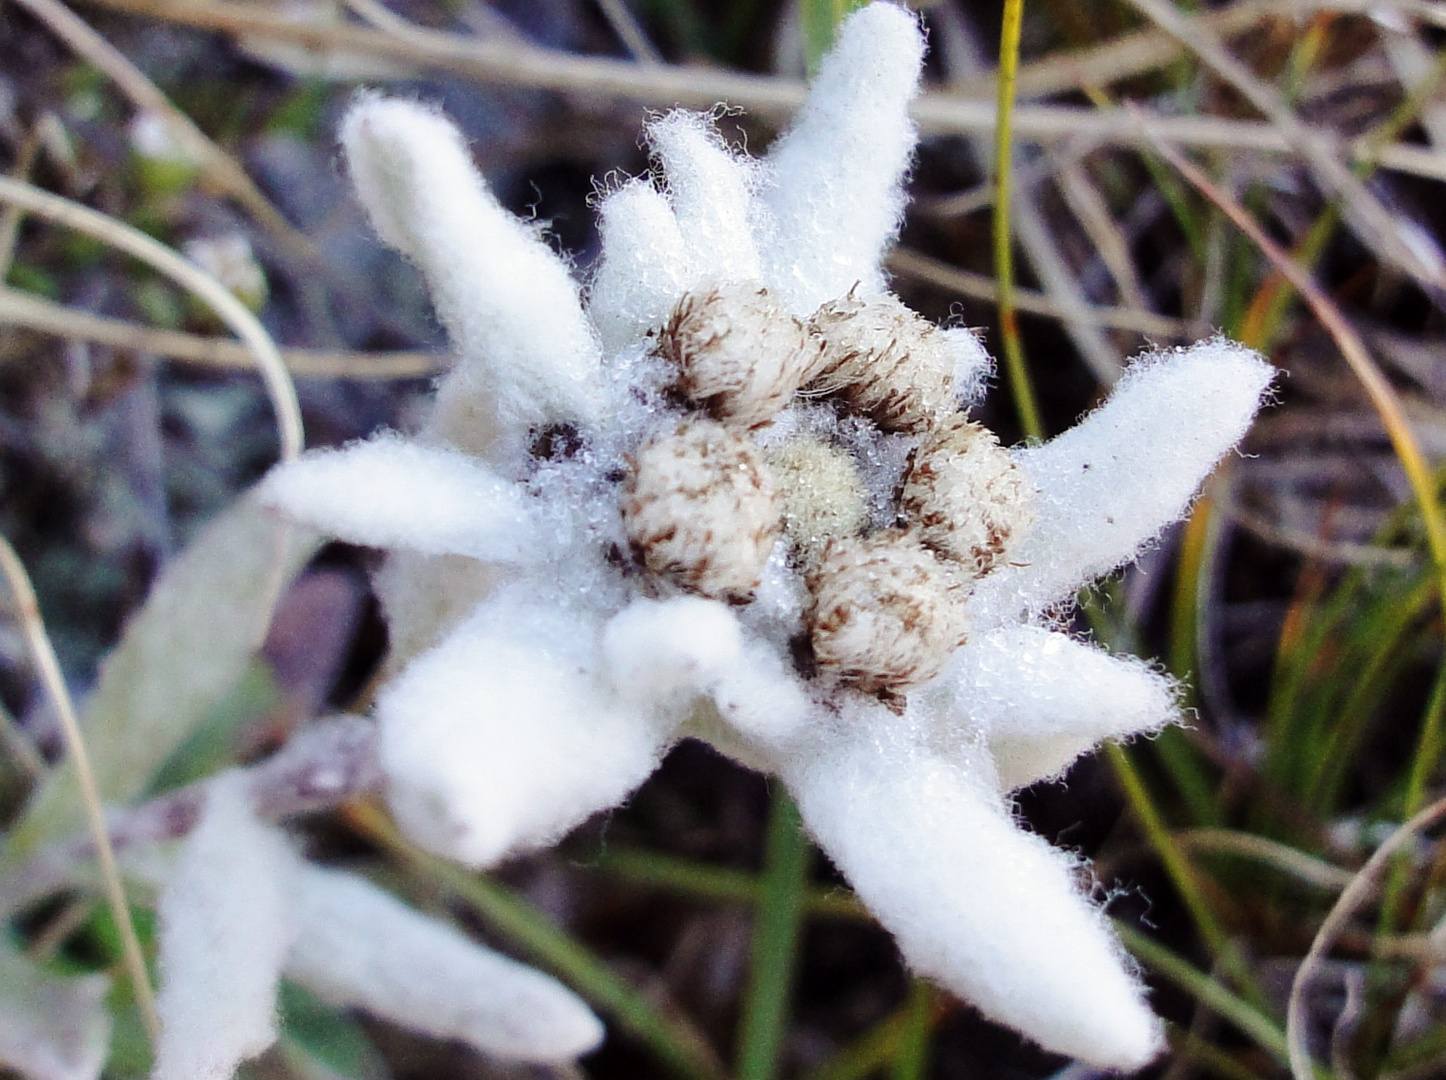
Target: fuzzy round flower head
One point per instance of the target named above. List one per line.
(732, 495)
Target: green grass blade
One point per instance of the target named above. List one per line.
(777, 926)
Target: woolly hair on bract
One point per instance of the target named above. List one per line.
(509, 305)
(240, 908)
(357, 946)
(670, 586)
(226, 925)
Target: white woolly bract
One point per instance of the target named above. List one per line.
(507, 734)
(1110, 484)
(360, 947)
(644, 266)
(1043, 699)
(397, 493)
(989, 910)
(510, 305)
(665, 652)
(226, 923)
(764, 699)
(712, 196)
(834, 190)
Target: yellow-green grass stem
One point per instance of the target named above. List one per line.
(1014, 361)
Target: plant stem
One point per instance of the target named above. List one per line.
(776, 929)
(1019, 383)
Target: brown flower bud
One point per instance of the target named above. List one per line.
(699, 509)
(886, 616)
(739, 355)
(964, 495)
(886, 362)
(823, 496)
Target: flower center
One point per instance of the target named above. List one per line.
(704, 504)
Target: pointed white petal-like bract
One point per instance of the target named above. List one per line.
(989, 910)
(226, 924)
(508, 734)
(712, 194)
(1042, 699)
(396, 493)
(834, 189)
(359, 947)
(1110, 484)
(527, 353)
(644, 267)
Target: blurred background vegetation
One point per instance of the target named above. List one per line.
(1301, 605)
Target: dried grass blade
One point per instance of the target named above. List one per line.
(27, 611)
(1356, 893)
(137, 244)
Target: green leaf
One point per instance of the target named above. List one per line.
(821, 20)
(321, 1043)
(180, 656)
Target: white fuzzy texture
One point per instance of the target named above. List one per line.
(763, 699)
(226, 925)
(1109, 485)
(973, 366)
(537, 694)
(834, 193)
(670, 651)
(511, 307)
(989, 910)
(396, 493)
(506, 735)
(644, 268)
(1043, 699)
(360, 947)
(712, 194)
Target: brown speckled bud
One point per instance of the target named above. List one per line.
(886, 616)
(965, 497)
(700, 510)
(886, 362)
(738, 354)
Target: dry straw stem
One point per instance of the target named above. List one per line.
(215, 163)
(1378, 389)
(1355, 894)
(27, 611)
(1379, 226)
(31, 312)
(667, 85)
(231, 311)
(978, 286)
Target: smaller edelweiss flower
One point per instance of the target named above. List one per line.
(241, 909)
(736, 497)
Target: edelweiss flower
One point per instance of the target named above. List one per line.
(734, 497)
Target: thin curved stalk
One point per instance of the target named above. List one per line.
(279, 387)
(27, 610)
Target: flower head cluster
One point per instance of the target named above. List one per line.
(733, 495)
